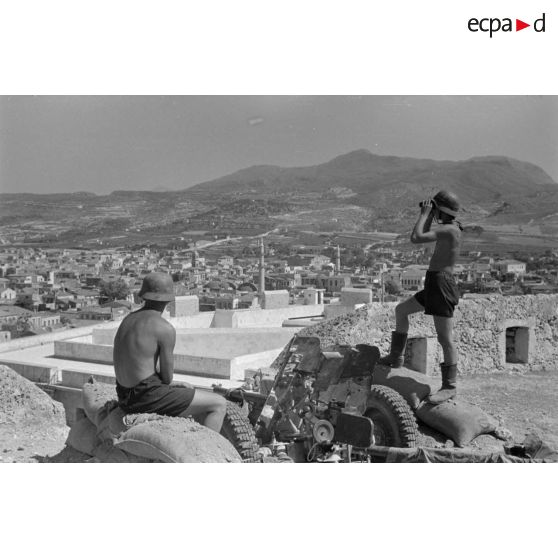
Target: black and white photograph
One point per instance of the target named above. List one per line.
(308, 279)
(278, 278)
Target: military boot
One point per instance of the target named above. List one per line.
(449, 380)
(396, 357)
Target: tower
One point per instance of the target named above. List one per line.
(261, 275)
(338, 260)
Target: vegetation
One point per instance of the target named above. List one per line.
(392, 286)
(114, 290)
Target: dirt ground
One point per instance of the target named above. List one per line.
(520, 403)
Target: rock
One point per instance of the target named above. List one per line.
(23, 403)
(503, 434)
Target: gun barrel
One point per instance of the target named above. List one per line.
(240, 395)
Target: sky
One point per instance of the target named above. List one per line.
(58, 144)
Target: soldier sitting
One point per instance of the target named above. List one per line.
(144, 365)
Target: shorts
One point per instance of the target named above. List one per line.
(153, 396)
(440, 295)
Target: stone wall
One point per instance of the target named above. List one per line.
(480, 331)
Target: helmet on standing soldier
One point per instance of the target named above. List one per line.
(446, 202)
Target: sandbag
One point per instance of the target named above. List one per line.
(412, 385)
(106, 452)
(459, 421)
(537, 449)
(83, 436)
(177, 440)
(111, 421)
(94, 396)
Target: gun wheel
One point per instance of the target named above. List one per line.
(239, 432)
(394, 422)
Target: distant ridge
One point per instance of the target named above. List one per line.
(475, 180)
(493, 190)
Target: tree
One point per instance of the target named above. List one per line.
(23, 324)
(23, 327)
(392, 286)
(353, 257)
(114, 290)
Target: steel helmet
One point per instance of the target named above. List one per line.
(447, 202)
(157, 286)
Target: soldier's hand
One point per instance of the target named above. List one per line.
(425, 207)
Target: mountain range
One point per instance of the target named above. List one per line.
(494, 188)
(475, 180)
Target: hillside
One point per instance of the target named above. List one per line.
(494, 190)
(355, 191)
(476, 180)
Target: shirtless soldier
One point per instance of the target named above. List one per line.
(143, 363)
(440, 295)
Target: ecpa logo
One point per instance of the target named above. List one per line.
(493, 25)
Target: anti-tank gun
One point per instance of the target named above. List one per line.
(323, 405)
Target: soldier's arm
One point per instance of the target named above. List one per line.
(166, 343)
(421, 232)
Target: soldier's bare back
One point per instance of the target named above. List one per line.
(137, 346)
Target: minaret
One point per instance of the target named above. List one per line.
(261, 285)
(338, 260)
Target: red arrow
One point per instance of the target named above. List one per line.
(519, 25)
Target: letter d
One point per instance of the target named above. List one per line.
(536, 24)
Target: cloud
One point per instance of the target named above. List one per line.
(254, 121)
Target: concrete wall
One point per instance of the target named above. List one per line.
(275, 299)
(105, 335)
(223, 368)
(336, 310)
(72, 401)
(423, 354)
(204, 341)
(351, 296)
(219, 353)
(273, 317)
(43, 339)
(35, 372)
(184, 306)
(264, 318)
(83, 348)
(479, 331)
(242, 363)
(203, 319)
(208, 366)
(231, 342)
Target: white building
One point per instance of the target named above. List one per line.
(412, 278)
(511, 266)
(8, 294)
(225, 261)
